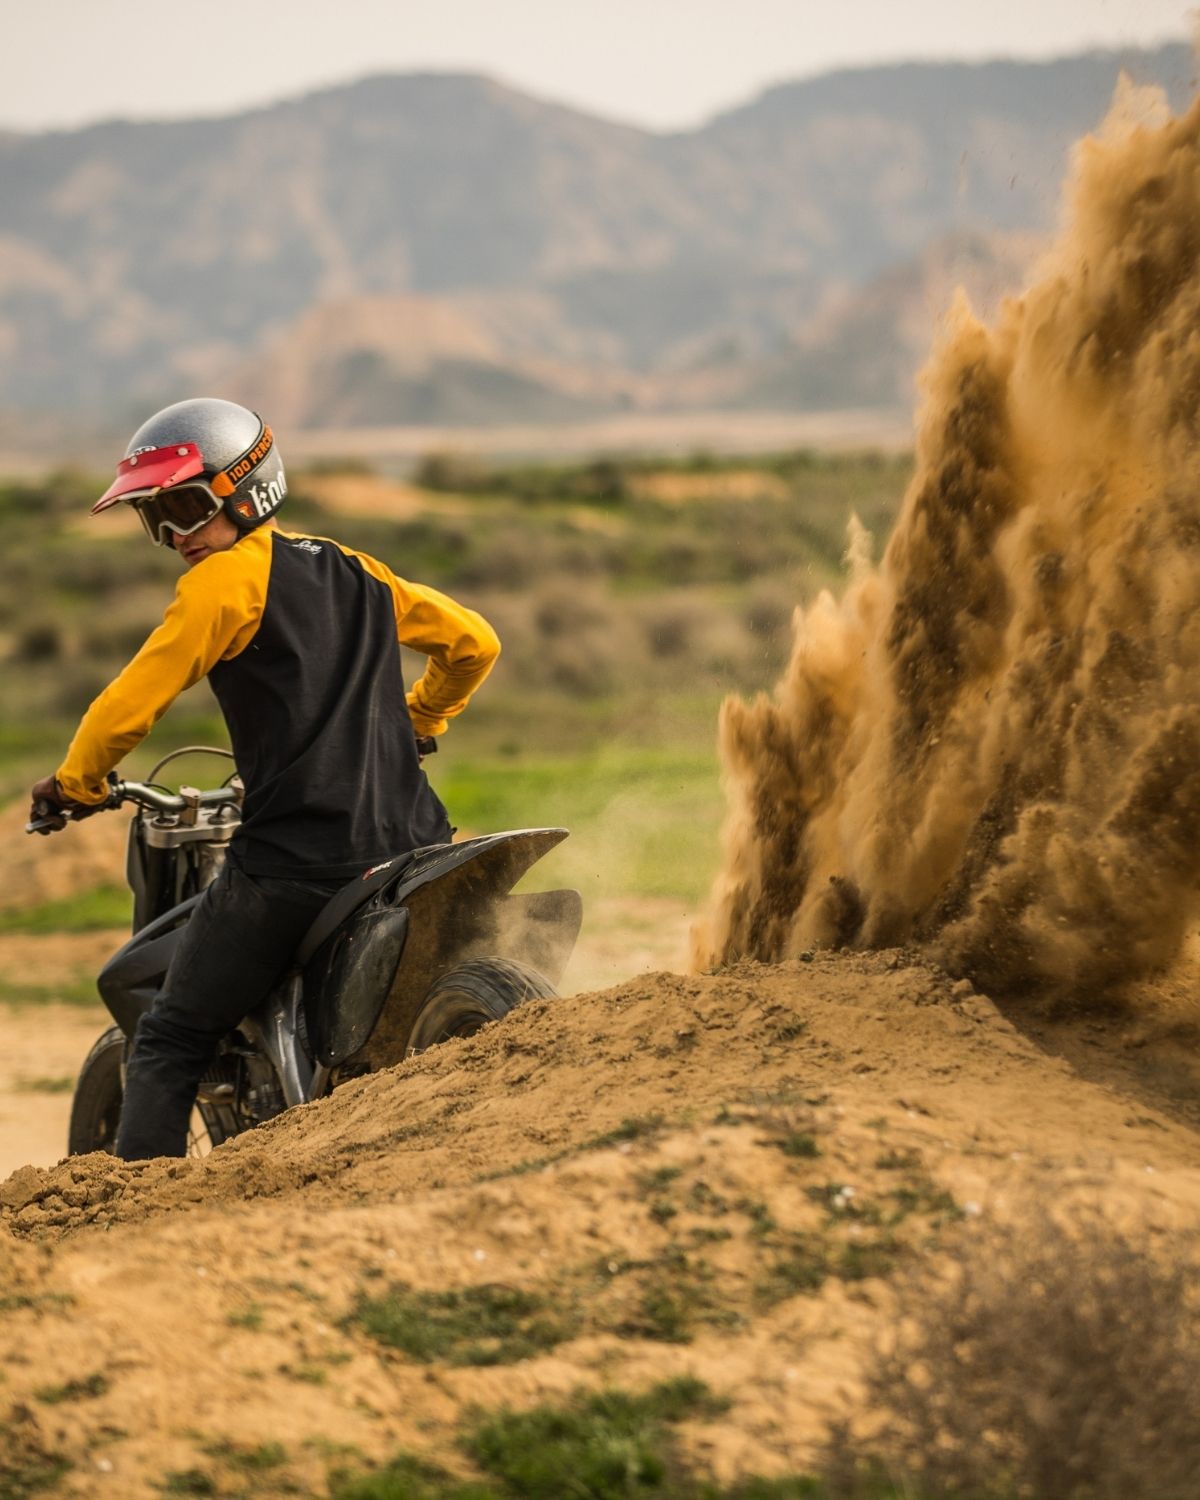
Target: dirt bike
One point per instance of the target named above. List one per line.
(429, 945)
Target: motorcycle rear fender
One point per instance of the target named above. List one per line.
(459, 906)
(491, 865)
(502, 857)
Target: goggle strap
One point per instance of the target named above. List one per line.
(228, 479)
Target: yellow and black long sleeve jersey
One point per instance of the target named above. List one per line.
(299, 637)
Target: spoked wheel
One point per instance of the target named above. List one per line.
(467, 997)
(100, 1092)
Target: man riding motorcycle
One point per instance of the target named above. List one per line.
(299, 637)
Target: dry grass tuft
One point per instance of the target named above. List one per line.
(1052, 1361)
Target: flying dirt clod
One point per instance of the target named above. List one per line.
(991, 743)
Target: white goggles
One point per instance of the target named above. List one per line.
(182, 509)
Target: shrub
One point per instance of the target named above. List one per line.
(674, 630)
(39, 642)
(474, 1325)
(609, 1445)
(1057, 1362)
(449, 471)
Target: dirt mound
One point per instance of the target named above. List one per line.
(560, 1074)
(714, 1175)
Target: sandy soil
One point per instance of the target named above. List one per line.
(42, 1045)
(49, 869)
(589, 1150)
(41, 1049)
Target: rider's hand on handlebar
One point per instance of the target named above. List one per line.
(49, 803)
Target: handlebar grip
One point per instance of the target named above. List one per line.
(47, 818)
(426, 744)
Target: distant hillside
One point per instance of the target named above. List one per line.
(867, 346)
(360, 361)
(598, 263)
(883, 160)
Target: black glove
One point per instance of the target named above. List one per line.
(48, 804)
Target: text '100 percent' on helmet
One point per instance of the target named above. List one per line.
(217, 445)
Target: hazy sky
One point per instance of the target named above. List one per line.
(660, 63)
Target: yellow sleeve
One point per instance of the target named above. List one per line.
(216, 610)
(461, 646)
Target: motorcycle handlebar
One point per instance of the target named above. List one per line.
(140, 793)
(47, 816)
(151, 796)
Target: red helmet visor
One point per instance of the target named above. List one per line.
(152, 469)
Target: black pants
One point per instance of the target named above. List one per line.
(237, 945)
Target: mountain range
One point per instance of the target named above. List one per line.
(442, 248)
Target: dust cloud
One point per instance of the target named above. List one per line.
(990, 744)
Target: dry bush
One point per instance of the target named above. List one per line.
(449, 470)
(560, 612)
(578, 641)
(1057, 1362)
(39, 642)
(671, 628)
(768, 612)
(575, 642)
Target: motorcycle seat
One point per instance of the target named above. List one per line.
(343, 903)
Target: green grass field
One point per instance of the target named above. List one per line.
(631, 598)
(642, 820)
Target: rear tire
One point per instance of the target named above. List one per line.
(471, 995)
(100, 1093)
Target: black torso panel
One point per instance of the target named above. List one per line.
(317, 718)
